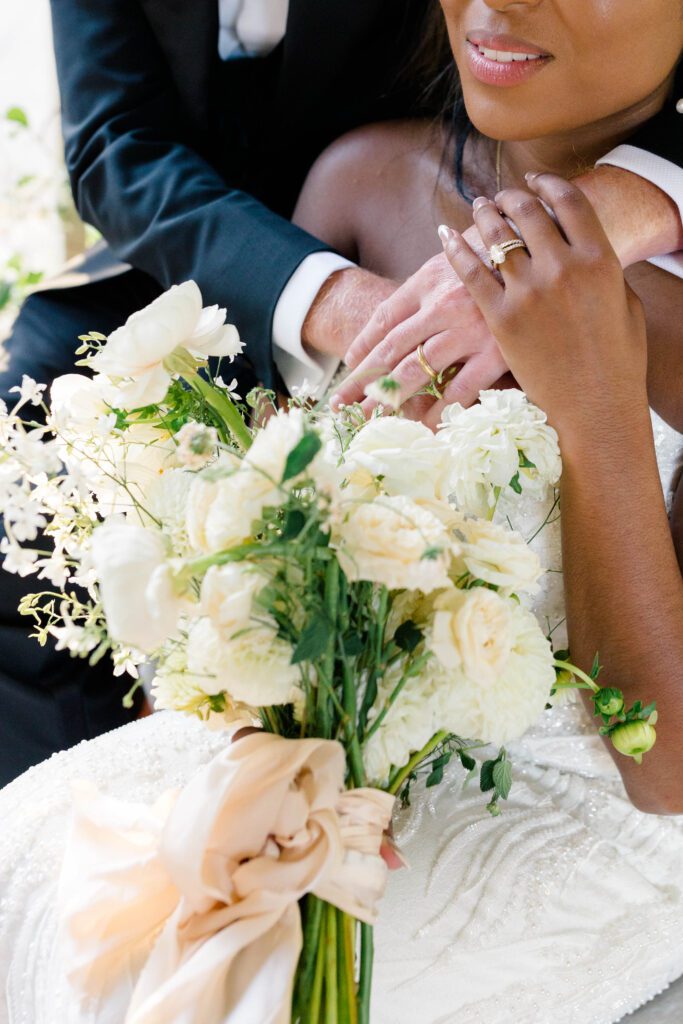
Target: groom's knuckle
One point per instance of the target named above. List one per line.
(383, 318)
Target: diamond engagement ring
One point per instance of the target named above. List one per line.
(498, 253)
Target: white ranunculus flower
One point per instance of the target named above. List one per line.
(472, 630)
(404, 453)
(502, 709)
(221, 512)
(393, 541)
(228, 593)
(140, 601)
(135, 354)
(485, 443)
(253, 668)
(497, 555)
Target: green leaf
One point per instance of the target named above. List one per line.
(295, 520)
(313, 641)
(466, 761)
(515, 484)
(525, 463)
(408, 636)
(486, 780)
(34, 277)
(502, 778)
(301, 455)
(353, 645)
(435, 776)
(5, 293)
(17, 115)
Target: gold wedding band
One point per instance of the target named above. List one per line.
(425, 364)
(498, 252)
(435, 378)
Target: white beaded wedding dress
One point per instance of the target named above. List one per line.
(568, 908)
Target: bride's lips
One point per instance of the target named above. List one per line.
(504, 60)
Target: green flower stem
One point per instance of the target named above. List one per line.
(224, 408)
(308, 961)
(400, 777)
(349, 929)
(566, 666)
(331, 986)
(350, 703)
(346, 995)
(312, 1010)
(365, 985)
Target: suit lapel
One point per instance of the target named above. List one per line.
(187, 31)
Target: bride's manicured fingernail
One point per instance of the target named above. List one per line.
(445, 234)
(479, 202)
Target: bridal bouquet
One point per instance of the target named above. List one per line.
(340, 584)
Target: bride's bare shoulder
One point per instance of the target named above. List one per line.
(366, 175)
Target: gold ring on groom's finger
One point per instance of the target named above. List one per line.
(425, 364)
(498, 252)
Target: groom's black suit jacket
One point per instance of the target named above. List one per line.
(189, 167)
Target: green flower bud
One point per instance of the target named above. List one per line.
(634, 739)
(609, 702)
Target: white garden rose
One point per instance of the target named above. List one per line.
(221, 512)
(393, 541)
(472, 630)
(501, 709)
(496, 554)
(254, 667)
(135, 355)
(486, 444)
(227, 595)
(174, 688)
(404, 453)
(78, 408)
(140, 600)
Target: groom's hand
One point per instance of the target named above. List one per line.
(434, 309)
(342, 308)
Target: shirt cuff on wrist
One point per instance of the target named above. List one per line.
(300, 366)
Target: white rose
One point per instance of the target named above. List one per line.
(140, 602)
(227, 595)
(404, 453)
(253, 668)
(502, 709)
(135, 354)
(174, 688)
(77, 406)
(395, 542)
(497, 555)
(472, 631)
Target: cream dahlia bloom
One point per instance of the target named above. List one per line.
(254, 667)
(393, 541)
(135, 355)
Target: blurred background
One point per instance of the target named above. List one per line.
(39, 228)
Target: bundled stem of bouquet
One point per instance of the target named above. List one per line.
(319, 576)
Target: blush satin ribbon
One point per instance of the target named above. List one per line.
(186, 912)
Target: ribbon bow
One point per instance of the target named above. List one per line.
(187, 912)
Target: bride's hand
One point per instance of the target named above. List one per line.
(569, 327)
(433, 308)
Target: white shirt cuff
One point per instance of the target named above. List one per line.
(663, 173)
(299, 366)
